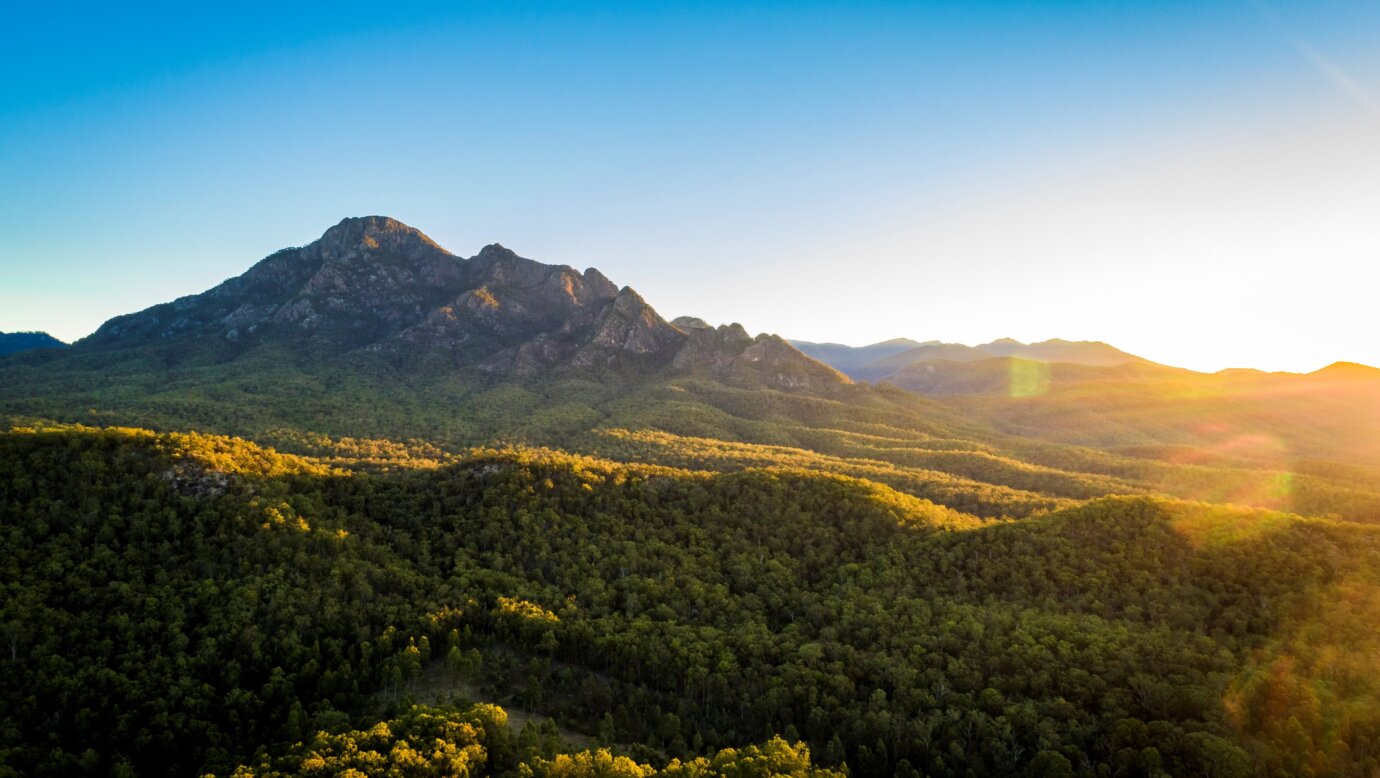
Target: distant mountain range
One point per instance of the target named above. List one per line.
(888, 360)
(1091, 393)
(14, 342)
(938, 368)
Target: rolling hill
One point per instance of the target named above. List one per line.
(14, 342)
(1092, 394)
(883, 361)
(849, 359)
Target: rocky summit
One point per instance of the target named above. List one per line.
(374, 285)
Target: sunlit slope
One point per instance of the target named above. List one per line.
(887, 428)
(895, 360)
(1237, 416)
(475, 740)
(944, 451)
(881, 433)
(238, 598)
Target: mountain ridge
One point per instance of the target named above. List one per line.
(881, 361)
(374, 285)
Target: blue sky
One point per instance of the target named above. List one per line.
(1195, 182)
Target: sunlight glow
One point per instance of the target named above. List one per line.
(1028, 378)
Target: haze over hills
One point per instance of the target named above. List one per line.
(1091, 393)
(850, 359)
(880, 361)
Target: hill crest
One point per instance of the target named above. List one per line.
(15, 342)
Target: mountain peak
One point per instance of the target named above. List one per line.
(371, 233)
(496, 250)
(1347, 371)
(372, 285)
(687, 323)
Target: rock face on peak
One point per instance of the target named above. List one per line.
(364, 278)
(729, 354)
(630, 324)
(375, 232)
(687, 323)
(374, 285)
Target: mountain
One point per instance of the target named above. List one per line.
(848, 359)
(14, 342)
(1153, 410)
(1346, 371)
(1077, 352)
(881, 361)
(886, 367)
(385, 327)
(375, 285)
(687, 323)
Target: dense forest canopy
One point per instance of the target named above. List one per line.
(186, 602)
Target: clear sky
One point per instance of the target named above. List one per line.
(1196, 182)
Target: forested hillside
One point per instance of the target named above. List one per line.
(901, 360)
(1092, 394)
(180, 602)
(14, 342)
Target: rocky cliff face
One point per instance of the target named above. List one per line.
(376, 285)
(729, 354)
(362, 280)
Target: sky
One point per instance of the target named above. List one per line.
(1194, 182)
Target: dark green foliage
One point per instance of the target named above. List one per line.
(177, 603)
(13, 342)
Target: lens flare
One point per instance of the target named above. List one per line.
(1028, 378)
